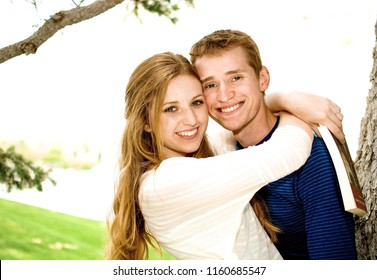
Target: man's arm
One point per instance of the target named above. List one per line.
(313, 109)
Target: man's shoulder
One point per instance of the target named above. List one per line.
(319, 159)
(319, 148)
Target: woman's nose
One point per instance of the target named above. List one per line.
(190, 117)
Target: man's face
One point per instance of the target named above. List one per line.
(232, 90)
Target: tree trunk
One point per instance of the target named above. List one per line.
(366, 167)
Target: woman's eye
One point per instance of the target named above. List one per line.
(197, 102)
(170, 109)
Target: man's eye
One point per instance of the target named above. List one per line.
(170, 109)
(208, 86)
(236, 78)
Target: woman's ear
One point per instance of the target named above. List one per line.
(264, 79)
(147, 128)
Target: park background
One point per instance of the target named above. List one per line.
(69, 96)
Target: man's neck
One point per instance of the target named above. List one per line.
(256, 130)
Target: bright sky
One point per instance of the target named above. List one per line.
(73, 88)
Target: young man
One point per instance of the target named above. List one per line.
(306, 205)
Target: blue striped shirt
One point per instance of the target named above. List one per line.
(307, 206)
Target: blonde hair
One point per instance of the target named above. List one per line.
(142, 151)
(212, 45)
(222, 40)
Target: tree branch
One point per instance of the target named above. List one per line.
(55, 23)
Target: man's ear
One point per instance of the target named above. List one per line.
(147, 128)
(264, 79)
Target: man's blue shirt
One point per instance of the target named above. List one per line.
(307, 207)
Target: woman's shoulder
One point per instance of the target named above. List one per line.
(222, 140)
(167, 173)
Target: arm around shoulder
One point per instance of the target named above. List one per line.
(289, 119)
(313, 109)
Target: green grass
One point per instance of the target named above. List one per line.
(33, 233)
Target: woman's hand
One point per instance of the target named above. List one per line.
(313, 109)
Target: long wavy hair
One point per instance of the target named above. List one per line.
(214, 44)
(141, 151)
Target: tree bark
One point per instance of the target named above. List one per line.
(366, 167)
(53, 24)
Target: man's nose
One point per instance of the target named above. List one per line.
(225, 93)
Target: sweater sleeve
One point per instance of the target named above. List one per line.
(226, 180)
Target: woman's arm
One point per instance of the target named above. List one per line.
(229, 179)
(314, 110)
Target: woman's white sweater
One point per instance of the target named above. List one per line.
(199, 208)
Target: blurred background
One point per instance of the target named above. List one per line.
(64, 105)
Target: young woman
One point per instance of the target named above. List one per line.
(172, 191)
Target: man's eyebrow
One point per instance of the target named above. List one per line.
(207, 79)
(230, 72)
(234, 71)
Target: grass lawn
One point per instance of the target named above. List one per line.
(33, 233)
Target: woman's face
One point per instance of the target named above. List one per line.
(184, 117)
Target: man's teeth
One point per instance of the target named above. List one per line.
(230, 109)
(187, 133)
